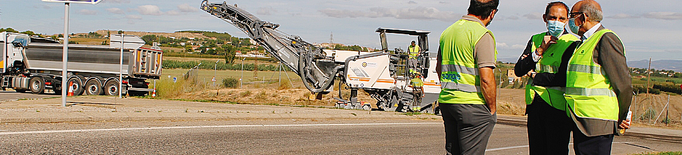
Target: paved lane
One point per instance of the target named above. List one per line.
(224, 137)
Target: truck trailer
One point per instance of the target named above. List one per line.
(32, 64)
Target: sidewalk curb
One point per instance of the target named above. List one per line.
(521, 122)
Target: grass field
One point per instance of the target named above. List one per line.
(88, 41)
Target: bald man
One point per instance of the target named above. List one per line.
(598, 82)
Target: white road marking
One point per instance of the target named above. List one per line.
(522, 146)
(505, 148)
(199, 127)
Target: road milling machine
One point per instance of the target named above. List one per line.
(383, 75)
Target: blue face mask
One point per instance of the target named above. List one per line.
(571, 24)
(555, 28)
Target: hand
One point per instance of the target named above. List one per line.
(531, 74)
(524, 56)
(624, 124)
(548, 40)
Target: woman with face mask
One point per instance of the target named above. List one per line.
(543, 60)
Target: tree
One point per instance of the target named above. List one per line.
(149, 39)
(230, 54)
(188, 48)
(30, 33)
(120, 32)
(9, 29)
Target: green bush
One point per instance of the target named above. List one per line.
(230, 83)
(669, 88)
(172, 64)
(655, 91)
(639, 89)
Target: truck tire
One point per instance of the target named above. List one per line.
(37, 85)
(77, 85)
(111, 88)
(93, 87)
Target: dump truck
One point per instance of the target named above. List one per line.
(33, 64)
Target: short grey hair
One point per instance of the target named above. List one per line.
(592, 11)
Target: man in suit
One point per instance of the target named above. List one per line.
(598, 82)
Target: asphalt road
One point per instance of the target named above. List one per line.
(13, 95)
(263, 137)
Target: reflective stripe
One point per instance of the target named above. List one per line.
(547, 69)
(460, 69)
(459, 86)
(590, 92)
(584, 69)
(563, 89)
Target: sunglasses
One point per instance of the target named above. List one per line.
(575, 14)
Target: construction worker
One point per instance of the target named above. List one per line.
(598, 85)
(414, 54)
(466, 60)
(549, 129)
(417, 85)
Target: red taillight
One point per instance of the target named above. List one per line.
(147, 83)
(48, 83)
(125, 81)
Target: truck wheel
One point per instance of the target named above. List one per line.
(111, 88)
(77, 85)
(37, 85)
(93, 87)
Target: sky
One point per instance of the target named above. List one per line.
(647, 28)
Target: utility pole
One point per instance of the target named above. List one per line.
(667, 110)
(241, 84)
(648, 72)
(215, 72)
(65, 51)
(120, 73)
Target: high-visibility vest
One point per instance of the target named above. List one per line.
(460, 80)
(549, 63)
(414, 51)
(589, 94)
(417, 82)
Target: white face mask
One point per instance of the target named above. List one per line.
(555, 28)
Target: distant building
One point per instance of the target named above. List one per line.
(511, 76)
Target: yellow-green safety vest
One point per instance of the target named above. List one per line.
(549, 63)
(414, 51)
(460, 80)
(588, 92)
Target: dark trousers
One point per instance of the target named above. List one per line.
(467, 128)
(598, 145)
(549, 129)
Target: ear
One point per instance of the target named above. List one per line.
(544, 17)
(492, 14)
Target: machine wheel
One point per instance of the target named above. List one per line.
(37, 85)
(93, 87)
(77, 85)
(111, 88)
(391, 105)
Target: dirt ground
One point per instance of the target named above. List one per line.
(510, 101)
(270, 94)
